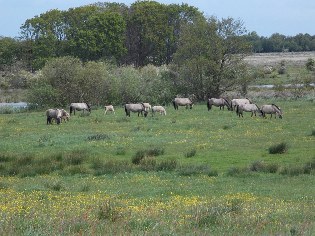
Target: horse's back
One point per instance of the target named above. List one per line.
(183, 101)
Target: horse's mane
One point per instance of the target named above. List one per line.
(276, 106)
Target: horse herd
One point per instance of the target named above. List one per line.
(239, 105)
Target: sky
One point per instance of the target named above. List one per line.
(265, 17)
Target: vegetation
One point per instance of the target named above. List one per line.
(192, 175)
(190, 172)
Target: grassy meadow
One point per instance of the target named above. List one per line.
(191, 172)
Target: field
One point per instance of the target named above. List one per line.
(191, 172)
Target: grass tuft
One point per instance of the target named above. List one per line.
(278, 148)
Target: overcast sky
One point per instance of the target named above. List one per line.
(287, 17)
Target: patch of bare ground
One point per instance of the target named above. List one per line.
(271, 59)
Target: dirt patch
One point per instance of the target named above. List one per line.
(271, 59)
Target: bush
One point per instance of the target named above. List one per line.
(75, 157)
(96, 137)
(167, 165)
(146, 153)
(278, 148)
(190, 153)
(148, 164)
(259, 166)
(190, 170)
(110, 167)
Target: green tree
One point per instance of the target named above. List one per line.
(45, 35)
(153, 31)
(93, 34)
(209, 59)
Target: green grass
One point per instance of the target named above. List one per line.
(214, 165)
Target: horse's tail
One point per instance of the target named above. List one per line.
(71, 109)
(208, 105)
(174, 104)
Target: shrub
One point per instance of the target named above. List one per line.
(310, 64)
(190, 153)
(309, 167)
(148, 164)
(97, 137)
(259, 166)
(313, 132)
(189, 170)
(292, 170)
(110, 167)
(146, 153)
(278, 148)
(167, 165)
(75, 157)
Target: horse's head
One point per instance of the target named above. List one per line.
(88, 107)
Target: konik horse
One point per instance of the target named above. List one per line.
(182, 102)
(79, 107)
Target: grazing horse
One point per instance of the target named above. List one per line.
(64, 115)
(53, 114)
(240, 101)
(271, 109)
(109, 108)
(136, 107)
(147, 106)
(218, 102)
(253, 108)
(182, 102)
(79, 107)
(159, 109)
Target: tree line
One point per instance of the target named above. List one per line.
(109, 52)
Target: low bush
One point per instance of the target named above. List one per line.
(97, 137)
(168, 165)
(191, 153)
(136, 159)
(278, 148)
(190, 170)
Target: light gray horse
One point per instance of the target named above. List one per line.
(109, 108)
(239, 101)
(79, 107)
(182, 102)
(53, 114)
(218, 102)
(147, 106)
(159, 109)
(253, 108)
(136, 107)
(271, 109)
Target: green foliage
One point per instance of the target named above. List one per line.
(209, 56)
